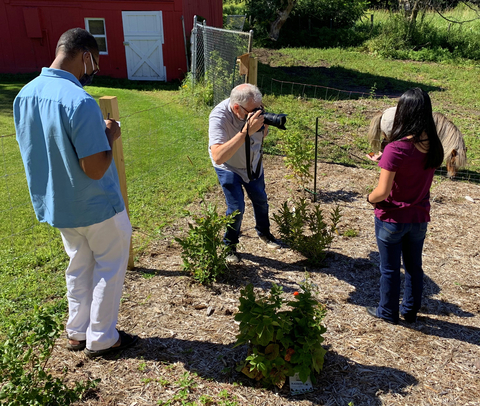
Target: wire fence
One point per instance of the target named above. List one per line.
(309, 91)
(214, 58)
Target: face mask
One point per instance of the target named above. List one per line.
(87, 79)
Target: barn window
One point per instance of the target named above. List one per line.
(96, 27)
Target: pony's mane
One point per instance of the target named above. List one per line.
(375, 132)
(451, 138)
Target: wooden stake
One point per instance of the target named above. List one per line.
(109, 107)
(252, 71)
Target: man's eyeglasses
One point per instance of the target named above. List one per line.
(98, 67)
(255, 109)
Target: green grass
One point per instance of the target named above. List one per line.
(167, 166)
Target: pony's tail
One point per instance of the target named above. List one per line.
(374, 132)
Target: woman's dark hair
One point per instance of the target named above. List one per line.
(413, 117)
(76, 40)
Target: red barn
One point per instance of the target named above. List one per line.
(138, 39)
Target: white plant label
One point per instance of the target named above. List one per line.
(297, 387)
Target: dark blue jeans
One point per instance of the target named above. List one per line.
(233, 185)
(395, 240)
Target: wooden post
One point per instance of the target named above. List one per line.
(252, 71)
(109, 107)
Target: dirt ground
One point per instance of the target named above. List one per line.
(188, 331)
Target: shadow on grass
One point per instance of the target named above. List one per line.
(331, 83)
(341, 377)
(11, 84)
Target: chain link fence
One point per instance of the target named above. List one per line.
(214, 58)
(235, 22)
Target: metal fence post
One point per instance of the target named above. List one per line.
(315, 168)
(194, 51)
(206, 60)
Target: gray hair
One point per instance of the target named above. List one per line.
(244, 93)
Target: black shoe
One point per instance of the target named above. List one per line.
(410, 318)
(76, 347)
(372, 311)
(126, 341)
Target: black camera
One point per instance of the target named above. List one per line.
(277, 120)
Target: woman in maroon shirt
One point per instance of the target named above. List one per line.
(402, 204)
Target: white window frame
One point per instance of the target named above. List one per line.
(87, 27)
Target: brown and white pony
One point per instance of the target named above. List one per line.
(455, 152)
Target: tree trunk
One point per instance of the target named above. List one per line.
(280, 20)
(414, 12)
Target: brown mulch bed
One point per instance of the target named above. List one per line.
(188, 328)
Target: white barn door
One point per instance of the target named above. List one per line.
(143, 40)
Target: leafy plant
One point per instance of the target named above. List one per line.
(350, 233)
(298, 151)
(305, 230)
(24, 377)
(204, 253)
(281, 342)
(198, 93)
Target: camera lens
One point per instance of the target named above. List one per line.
(277, 120)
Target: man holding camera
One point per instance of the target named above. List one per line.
(236, 132)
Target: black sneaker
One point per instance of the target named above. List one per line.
(410, 318)
(270, 240)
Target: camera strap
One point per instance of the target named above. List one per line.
(256, 173)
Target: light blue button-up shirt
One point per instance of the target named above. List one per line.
(57, 123)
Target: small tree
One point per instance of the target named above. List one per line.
(305, 230)
(204, 253)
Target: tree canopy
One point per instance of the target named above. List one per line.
(269, 16)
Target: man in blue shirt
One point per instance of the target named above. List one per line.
(66, 150)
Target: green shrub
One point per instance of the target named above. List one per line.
(305, 230)
(304, 18)
(423, 41)
(299, 154)
(198, 94)
(24, 377)
(203, 251)
(282, 341)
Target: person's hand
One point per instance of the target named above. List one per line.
(374, 157)
(112, 131)
(255, 121)
(265, 131)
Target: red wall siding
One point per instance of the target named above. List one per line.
(211, 10)
(20, 54)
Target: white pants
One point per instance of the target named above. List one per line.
(95, 275)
